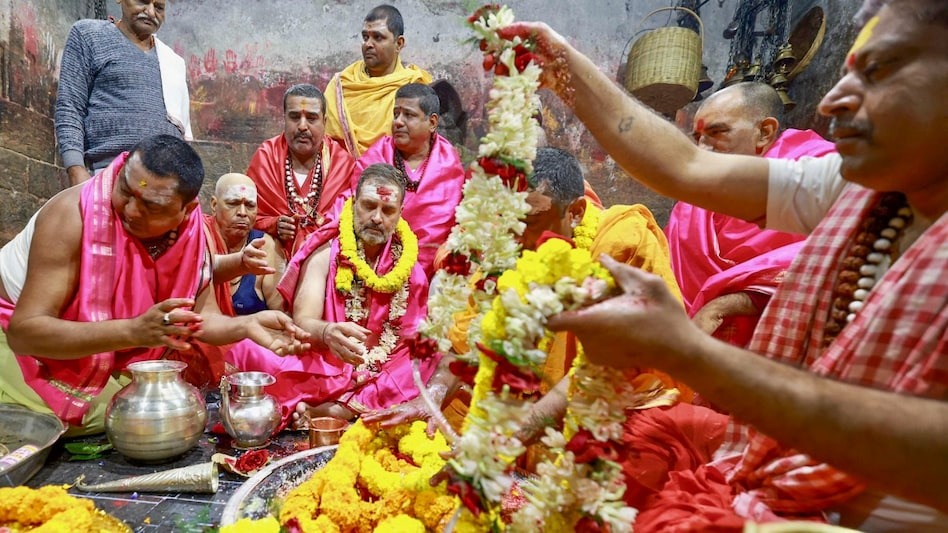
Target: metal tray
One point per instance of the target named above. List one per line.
(261, 494)
(19, 426)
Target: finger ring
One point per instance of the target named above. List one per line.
(166, 320)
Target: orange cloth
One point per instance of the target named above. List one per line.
(218, 246)
(359, 107)
(627, 233)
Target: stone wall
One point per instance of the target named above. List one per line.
(242, 55)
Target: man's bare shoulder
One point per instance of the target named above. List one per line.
(61, 215)
(318, 259)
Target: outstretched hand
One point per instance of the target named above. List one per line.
(254, 258)
(403, 413)
(643, 326)
(277, 332)
(169, 323)
(550, 50)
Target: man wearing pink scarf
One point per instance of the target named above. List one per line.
(430, 163)
(357, 288)
(729, 268)
(119, 273)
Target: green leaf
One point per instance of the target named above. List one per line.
(87, 448)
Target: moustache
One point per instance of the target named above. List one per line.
(841, 128)
(148, 19)
(303, 136)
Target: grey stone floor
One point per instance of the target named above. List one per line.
(151, 512)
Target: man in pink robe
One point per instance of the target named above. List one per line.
(358, 363)
(435, 176)
(729, 268)
(118, 272)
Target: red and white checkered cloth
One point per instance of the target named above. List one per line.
(898, 342)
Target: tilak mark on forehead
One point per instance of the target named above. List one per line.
(240, 192)
(861, 40)
(384, 193)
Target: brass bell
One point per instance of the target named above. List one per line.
(778, 80)
(752, 72)
(785, 60)
(704, 82)
(788, 103)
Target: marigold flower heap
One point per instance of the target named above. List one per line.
(376, 481)
(48, 508)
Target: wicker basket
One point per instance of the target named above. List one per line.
(664, 65)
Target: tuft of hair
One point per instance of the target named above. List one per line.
(391, 16)
(563, 176)
(427, 98)
(385, 173)
(761, 99)
(306, 91)
(169, 156)
(923, 12)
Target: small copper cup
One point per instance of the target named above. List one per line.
(326, 430)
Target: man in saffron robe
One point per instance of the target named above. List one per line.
(248, 263)
(300, 173)
(430, 163)
(109, 272)
(358, 289)
(728, 268)
(858, 326)
(361, 97)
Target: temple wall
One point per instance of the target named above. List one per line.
(242, 55)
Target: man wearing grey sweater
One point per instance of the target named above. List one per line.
(117, 85)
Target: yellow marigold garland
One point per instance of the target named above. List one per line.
(349, 248)
(585, 233)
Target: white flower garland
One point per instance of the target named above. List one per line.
(375, 357)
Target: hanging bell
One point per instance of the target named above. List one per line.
(785, 60)
(752, 73)
(704, 82)
(778, 80)
(788, 103)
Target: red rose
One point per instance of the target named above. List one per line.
(491, 354)
(469, 497)
(587, 448)
(293, 526)
(521, 61)
(488, 62)
(421, 348)
(479, 284)
(521, 381)
(464, 371)
(252, 460)
(588, 524)
(457, 264)
(489, 165)
(501, 69)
